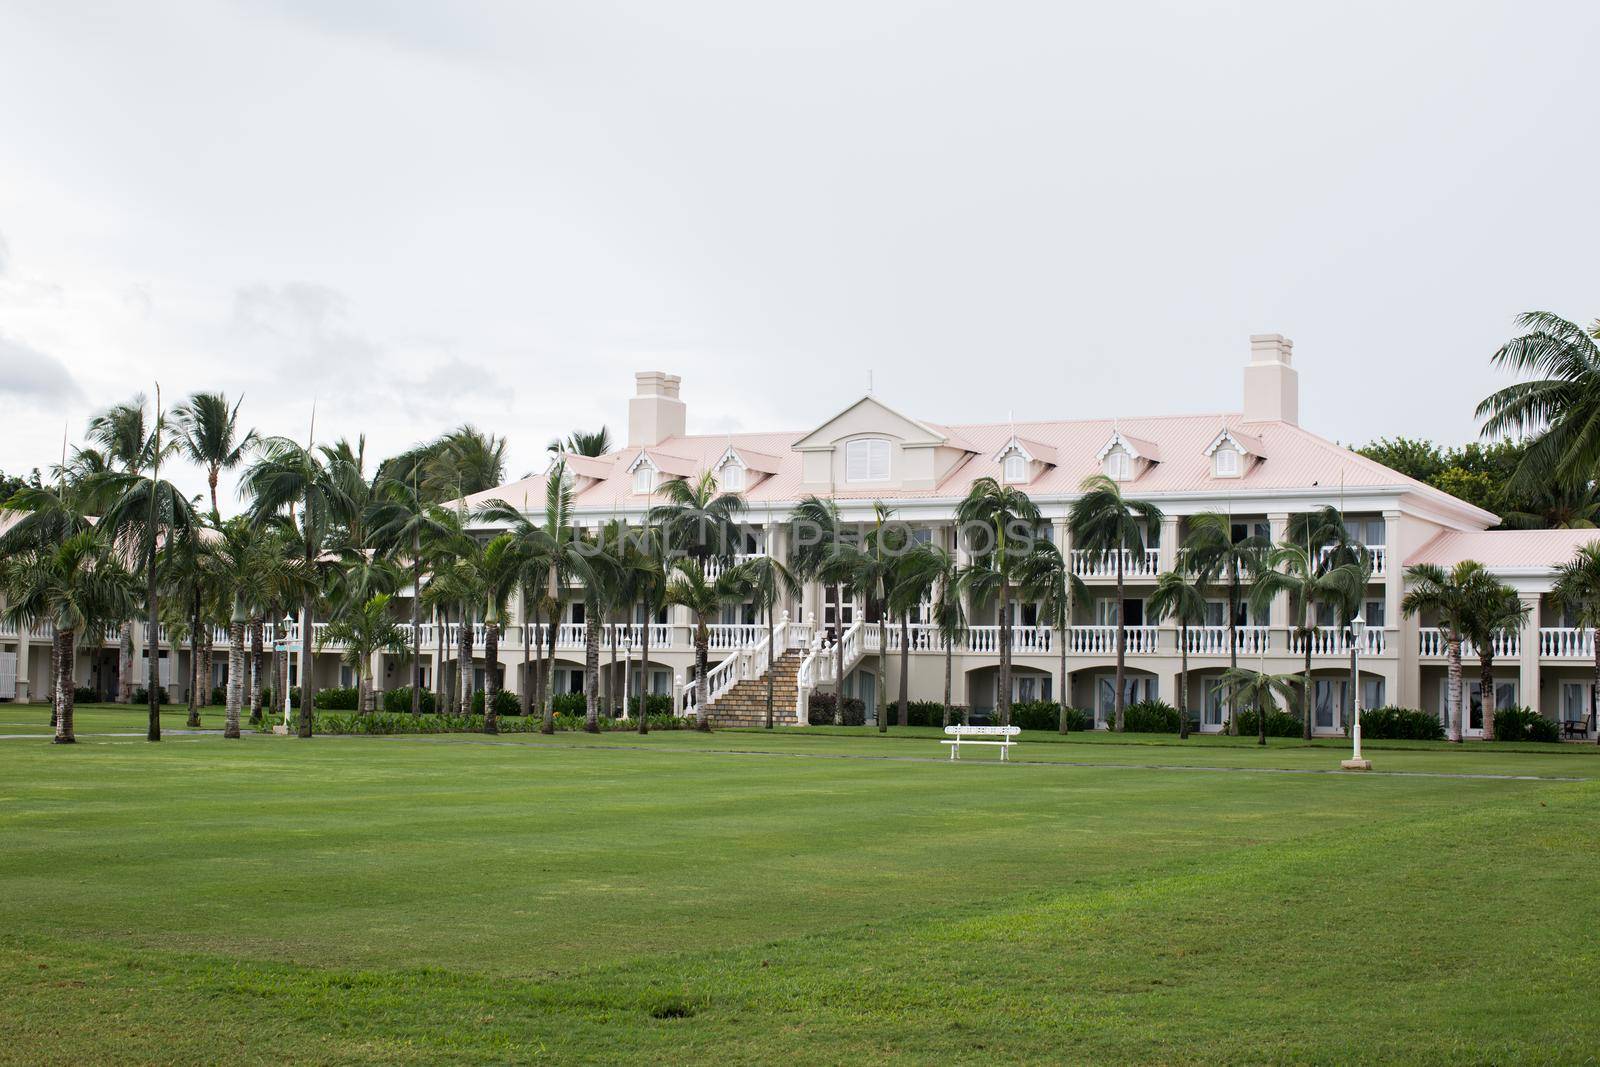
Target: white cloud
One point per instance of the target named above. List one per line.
(31, 377)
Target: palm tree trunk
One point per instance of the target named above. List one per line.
(702, 687)
(905, 665)
(1594, 694)
(464, 662)
(644, 673)
(235, 677)
(591, 672)
(55, 680)
(1486, 687)
(193, 721)
(611, 677)
(1233, 649)
(1305, 688)
(1355, 688)
(308, 688)
(547, 700)
(771, 636)
(1003, 697)
(152, 642)
(441, 704)
(491, 684)
(838, 649)
(1183, 681)
(255, 671)
(949, 668)
(64, 699)
(1453, 683)
(416, 627)
(1118, 700)
(125, 663)
(528, 679)
(1061, 686)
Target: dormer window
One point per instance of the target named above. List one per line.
(1118, 465)
(731, 480)
(866, 460)
(1232, 452)
(1225, 463)
(644, 479)
(1015, 469)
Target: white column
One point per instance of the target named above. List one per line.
(1528, 679)
(1169, 542)
(25, 693)
(1278, 615)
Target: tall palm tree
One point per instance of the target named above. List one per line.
(1103, 520)
(1257, 690)
(1212, 554)
(1559, 407)
(917, 574)
(307, 486)
(699, 520)
(1048, 577)
(78, 586)
(501, 568)
(688, 586)
(1448, 595)
(210, 436)
(584, 443)
(948, 609)
(1297, 570)
(1006, 520)
(365, 630)
(141, 510)
(186, 572)
(648, 563)
(870, 567)
(769, 584)
(119, 441)
(407, 528)
(601, 578)
(1496, 609)
(815, 528)
(1577, 588)
(1178, 597)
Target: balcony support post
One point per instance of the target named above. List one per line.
(1528, 680)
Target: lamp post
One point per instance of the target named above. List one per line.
(627, 671)
(288, 650)
(1358, 630)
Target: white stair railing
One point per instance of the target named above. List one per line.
(748, 661)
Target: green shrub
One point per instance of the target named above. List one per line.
(399, 700)
(82, 694)
(1150, 717)
(1046, 715)
(1401, 724)
(823, 710)
(570, 704)
(219, 695)
(141, 695)
(1519, 724)
(1279, 724)
(337, 698)
(505, 703)
(925, 712)
(655, 704)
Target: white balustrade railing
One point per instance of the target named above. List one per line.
(1433, 643)
(1566, 642)
(1213, 640)
(715, 567)
(1136, 563)
(1379, 554)
(1102, 640)
(750, 661)
(1335, 641)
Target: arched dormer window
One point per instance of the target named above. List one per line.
(644, 479)
(1225, 463)
(866, 460)
(731, 477)
(1015, 468)
(1118, 465)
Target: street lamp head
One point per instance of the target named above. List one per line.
(1358, 627)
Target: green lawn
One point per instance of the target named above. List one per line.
(748, 897)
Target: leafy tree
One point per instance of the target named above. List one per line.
(767, 582)
(1496, 609)
(1559, 406)
(1216, 557)
(584, 443)
(1048, 577)
(1010, 520)
(1180, 598)
(1451, 596)
(688, 586)
(210, 437)
(1577, 587)
(365, 630)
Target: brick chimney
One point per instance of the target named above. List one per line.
(1271, 384)
(655, 413)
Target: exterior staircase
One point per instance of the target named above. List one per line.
(746, 703)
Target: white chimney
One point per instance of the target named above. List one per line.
(655, 413)
(1271, 384)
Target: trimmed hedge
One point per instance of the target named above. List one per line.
(1401, 724)
(336, 698)
(82, 694)
(1279, 724)
(1520, 724)
(141, 695)
(655, 704)
(926, 712)
(505, 703)
(822, 710)
(1046, 715)
(406, 723)
(219, 695)
(396, 701)
(1150, 717)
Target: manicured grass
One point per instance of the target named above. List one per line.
(748, 897)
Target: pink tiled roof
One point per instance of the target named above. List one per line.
(1504, 548)
(1296, 459)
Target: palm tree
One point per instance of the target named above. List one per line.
(141, 511)
(1296, 569)
(584, 443)
(1559, 407)
(78, 585)
(688, 586)
(647, 561)
(600, 582)
(949, 612)
(209, 436)
(768, 583)
(500, 568)
(1257, 690)
(1577, 588)
(404, 527)
(1179, 598)
(698, 519)
(308, 486)
(365, 631)
(1496, 609)
(1449, 595)
(1103, 520)
(870, 567)
(1008, 518)
(1212, 554)
(815, 528)
(1048, 577)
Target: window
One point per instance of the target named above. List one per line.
(866, 460)
(732, 478)
(1016, 468)
(1375, 532)
(1136, 688)
(1225, 463)
(644, 479)
(1118, 465)
(1574, 702)
(1375, 613)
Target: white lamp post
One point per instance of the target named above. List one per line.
(627, 672)
(283, 646)
(1358, 630)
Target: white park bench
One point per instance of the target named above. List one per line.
(981, 735)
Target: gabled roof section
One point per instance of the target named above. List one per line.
(1137, 447)
(1503, 550)
(584, 466)
(1034, 450)
(1242, 442)
(750, 459)
(911, 431)
(665, 462)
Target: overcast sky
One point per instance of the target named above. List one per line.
(497, 212)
